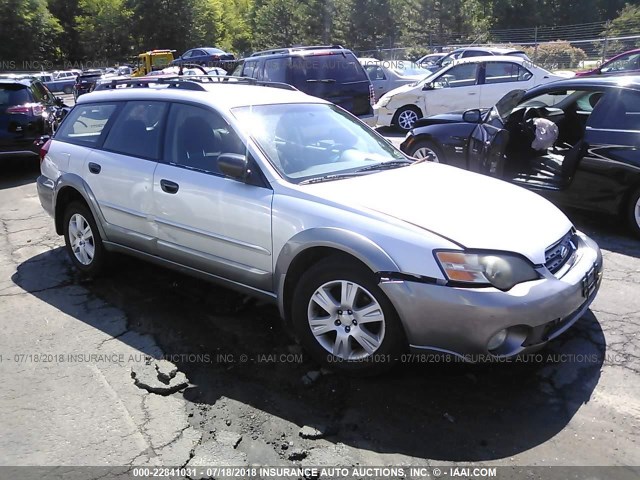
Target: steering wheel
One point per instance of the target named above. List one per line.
(530, 114)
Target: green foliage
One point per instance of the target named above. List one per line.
(102, 28)
(558, 54)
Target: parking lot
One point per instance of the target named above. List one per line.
(80, 361)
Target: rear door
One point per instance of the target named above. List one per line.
(500, 78)
(334, 76)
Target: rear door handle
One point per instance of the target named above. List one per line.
(94, 168)
(169, 186)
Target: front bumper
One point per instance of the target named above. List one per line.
(384, 115)
(462, 321)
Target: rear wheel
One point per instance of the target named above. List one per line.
(405, 118)
(344, 320)
(634, 212)
(82, 239)
(425, 150)
(67, 90)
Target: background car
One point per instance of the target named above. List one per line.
(27, 112)
(627, 63)
(329, 72)
(469, 52)
(86, 82)
(209, 56)
(594, 163)
(386, 75)
(430, 59)
(477, 82)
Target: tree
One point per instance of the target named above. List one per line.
(278, 23)
(103, 28)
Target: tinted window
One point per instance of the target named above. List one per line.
(275, 70)
(249, 69)
(502, 72)
(475, 53)
(375, 72)
(85, 124)
(196, 137)
(463, 75)
(334, 68)
(14, 95)
(619, 110)
(137, 130)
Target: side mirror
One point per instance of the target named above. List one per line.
(59, 102)
(234, 165)
(428, 86)
(472, 116)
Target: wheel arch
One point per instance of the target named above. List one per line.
(311, 246)
(69, 188)
(410, 106)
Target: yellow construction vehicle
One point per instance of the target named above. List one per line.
(152, 60)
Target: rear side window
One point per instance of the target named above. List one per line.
(85, 124)
(136, 132)
(14, 95)
(619, 111)
(275, 70)
(249, 69)
(333, 68)
(503, 72)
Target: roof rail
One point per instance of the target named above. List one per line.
(189, 82)
(275, 51)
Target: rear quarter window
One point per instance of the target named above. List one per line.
(85, 124)
(620, 110)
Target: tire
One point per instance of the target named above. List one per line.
(347, 345)
(405, 117)
(633, 213)
(67, 90)
(425, 149)
(82, 239)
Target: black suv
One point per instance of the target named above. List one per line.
(329, 72)
(28, 111)
(86, 82)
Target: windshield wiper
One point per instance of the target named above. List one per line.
(328, 178)
(385, 165)
(324, 80)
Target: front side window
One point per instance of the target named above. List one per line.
(137, 130)
(503, 72)
(463, 75)
(623, 64)
(304, 141)
(196, 137)
(85, 123)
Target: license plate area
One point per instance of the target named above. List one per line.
(590, 281)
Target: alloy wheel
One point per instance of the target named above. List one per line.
(427, 154)
(407, 118)
(81, 239)
(346, 320)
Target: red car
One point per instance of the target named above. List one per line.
(624, 64)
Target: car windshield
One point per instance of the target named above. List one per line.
(315, 141)
(11, 94)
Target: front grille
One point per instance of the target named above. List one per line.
(557, 255)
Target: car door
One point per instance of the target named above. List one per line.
(609, 168)
(499, 78)
(205, 220)
(455, 89)
(120, 173)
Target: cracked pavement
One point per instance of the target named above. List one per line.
(69, 346)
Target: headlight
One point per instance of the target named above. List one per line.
(501, 270)
(384, 101)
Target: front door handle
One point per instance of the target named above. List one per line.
(169, 186)
(94, 168)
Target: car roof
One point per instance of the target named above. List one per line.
(624, 81)
(223, 96)
(300, 51)
(17, 81)
(487, 49)
(493, 58)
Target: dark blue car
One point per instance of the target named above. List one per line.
(211, 57)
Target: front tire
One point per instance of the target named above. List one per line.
(344, 320)
(406, 117)
(633, 212)
(425, 150)
(82, 239)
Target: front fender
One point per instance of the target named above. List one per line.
(354, 244)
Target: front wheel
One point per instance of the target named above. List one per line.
(82, 239)
(425, 150)
(344, 320)
(634, 213)
(406, 117)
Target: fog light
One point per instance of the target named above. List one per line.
(497, 340)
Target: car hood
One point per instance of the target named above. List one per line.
(400, 90)
(472, 210)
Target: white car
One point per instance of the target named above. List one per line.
(477, 82)
(386, 75)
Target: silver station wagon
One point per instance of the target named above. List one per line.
(367, 252)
